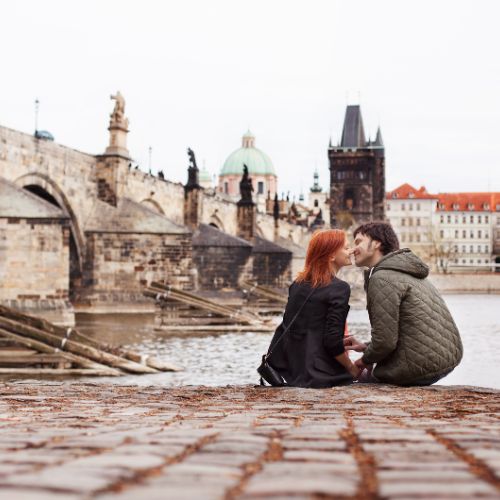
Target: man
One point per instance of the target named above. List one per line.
(414, 340)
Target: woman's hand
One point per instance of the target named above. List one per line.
(351, 344)
(354, 371)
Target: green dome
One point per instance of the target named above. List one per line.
(257, 161)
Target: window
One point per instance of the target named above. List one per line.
(417, 237)
(470, 206)
(471, 249)
(486, 234)
(479, 219)
(456, 219)
(464, 234)
(487, 248)
(455, 206)
(403, 237)
(403, 221)
(441, 219)
(463, 261)
(410, 238)
(410, 221)
(456, 233)
(486, 206)
(455, 248)
(410, 206)
(448, 219)
(226, 187)
(260, 187)
(464, 219)
(316, 203)
(486, 219)
(418, 221)
(472, 234)
(402, 206)
(441, 233)
(418, 206)
(388, 207)
(463, 248)
(480, 234)
(472, 219)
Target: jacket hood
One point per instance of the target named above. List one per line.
(404, 261)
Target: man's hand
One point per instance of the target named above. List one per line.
(351, 344)
(362, 366)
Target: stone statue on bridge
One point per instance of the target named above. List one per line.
(118, 114)
(246, 188)
(193, 171)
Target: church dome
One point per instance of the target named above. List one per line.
(257, 161)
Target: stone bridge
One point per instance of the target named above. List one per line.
(101, 195)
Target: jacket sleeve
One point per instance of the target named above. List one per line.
(383, 308)
(338, 307)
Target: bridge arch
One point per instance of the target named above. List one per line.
(153, 205)
(47, 189)
(216, 222)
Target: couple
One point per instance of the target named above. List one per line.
(414, 340)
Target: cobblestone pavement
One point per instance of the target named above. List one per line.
(79, 441)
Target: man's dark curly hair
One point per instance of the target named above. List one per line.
(382, 232)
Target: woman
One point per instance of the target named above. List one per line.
(311, 352)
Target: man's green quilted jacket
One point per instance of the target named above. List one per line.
(413, 333)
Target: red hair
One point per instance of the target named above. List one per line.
(318, 269)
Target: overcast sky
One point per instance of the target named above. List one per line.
(199, 73)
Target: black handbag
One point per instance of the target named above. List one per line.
(266, 371)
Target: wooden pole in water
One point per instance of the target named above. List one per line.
(75, 347)
(76, 335)
(72, 358)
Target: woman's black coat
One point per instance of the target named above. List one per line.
(305, 357)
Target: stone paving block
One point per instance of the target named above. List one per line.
(34, 494)
(302, 444)
(262, 487)
(120, 460)
(452, 464)
(204, 469)
(231, 447)
(434, 475)
(231, 459)
(318, 456)
(433, 489)
(59, 479)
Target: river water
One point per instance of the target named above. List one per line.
(231, 358)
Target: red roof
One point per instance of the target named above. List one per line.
(406, 191)
(447, 202)
(472, 202)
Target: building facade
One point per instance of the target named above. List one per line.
(357, 174)
(453, 231)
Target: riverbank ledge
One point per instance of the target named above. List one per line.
(69, 441)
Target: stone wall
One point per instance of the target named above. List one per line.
(220, 267)
(34, 274)
(119, 265)
(467, 282)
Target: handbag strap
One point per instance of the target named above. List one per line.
(289, 324)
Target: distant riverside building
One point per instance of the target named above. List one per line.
(357, 174)
(260, 168)
(454, 230)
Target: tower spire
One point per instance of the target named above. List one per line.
(353, 133)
